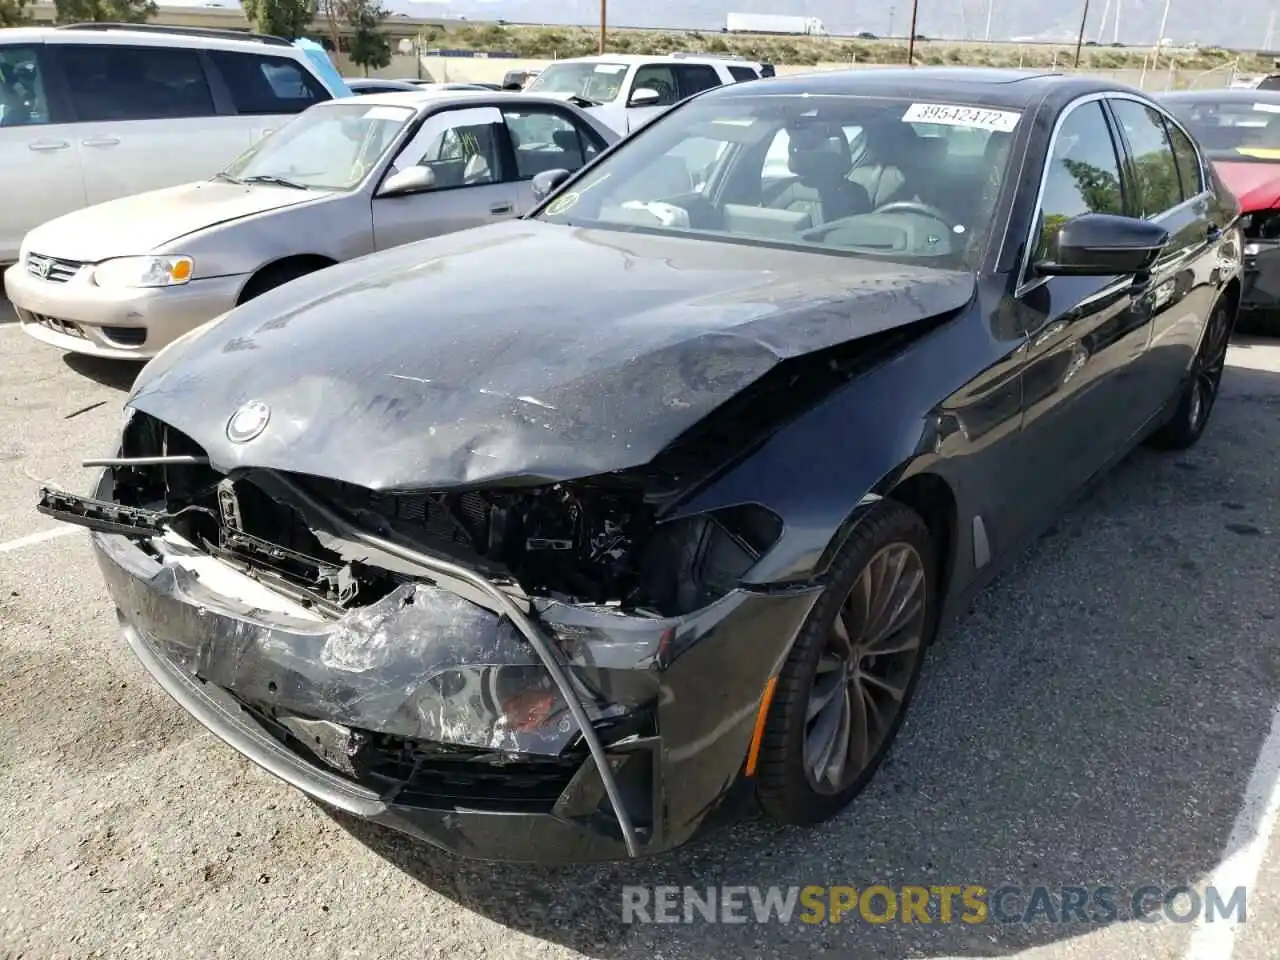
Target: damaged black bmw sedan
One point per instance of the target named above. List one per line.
(568, 537)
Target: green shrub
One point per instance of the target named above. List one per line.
(561, 42)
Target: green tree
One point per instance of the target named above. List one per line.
(1099, 188)
(281, 18)
(334, 13)
(103, 11)
(1157, 182)
(369, 48)
(13, 13)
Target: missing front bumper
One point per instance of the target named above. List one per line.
(488, 835)
(673, 699)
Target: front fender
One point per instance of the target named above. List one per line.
(937, 407)
(825, 467)
(338, 227)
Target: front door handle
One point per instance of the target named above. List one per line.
(500, 208)
(100, 142)
(48, 146)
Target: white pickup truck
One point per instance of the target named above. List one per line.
(628, 90)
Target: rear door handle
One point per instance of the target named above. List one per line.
(500, 208)
(100, 142)
(48, 146)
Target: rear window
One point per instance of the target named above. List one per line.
(1232, 129)
(268, 85)
(742, 74)
(118, 82)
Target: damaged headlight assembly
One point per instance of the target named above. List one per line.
(586, 573)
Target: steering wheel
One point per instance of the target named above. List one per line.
(915, 206)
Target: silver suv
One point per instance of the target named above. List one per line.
(628, 90)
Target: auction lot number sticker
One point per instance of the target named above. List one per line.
(1003, 121)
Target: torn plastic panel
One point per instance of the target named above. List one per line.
(513, 674)
(598, 541)
(684, 746)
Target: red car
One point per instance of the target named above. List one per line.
(1239, 130)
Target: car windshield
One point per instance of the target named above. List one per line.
(1232, 129)
(601, 82)
(329, 147)
(860, 176)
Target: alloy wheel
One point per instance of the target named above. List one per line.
(866, 668)
(1209, 368)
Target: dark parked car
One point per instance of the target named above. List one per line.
(517, 79)
(1239, 131)
(363, 86)
(563, 538)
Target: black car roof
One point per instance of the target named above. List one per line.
(1223, 94)
(995, 87)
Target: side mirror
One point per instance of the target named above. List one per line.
(1103, 245)
(546, 183)
(644, 97)
(412, 180)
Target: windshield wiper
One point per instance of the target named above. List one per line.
(225, 177)
(271, 178)
(576, 99)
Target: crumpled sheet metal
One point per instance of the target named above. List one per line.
(452, 381)
(421, 663)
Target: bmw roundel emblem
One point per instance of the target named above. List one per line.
(248, 422)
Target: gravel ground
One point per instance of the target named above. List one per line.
(1093, 721)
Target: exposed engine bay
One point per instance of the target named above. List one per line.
(594, 541)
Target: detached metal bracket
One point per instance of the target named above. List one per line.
(522, 622)
(101, 515)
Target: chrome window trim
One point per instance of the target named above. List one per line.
(1173, 121)
(1024, 262)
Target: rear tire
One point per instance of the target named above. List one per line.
(846, 685)
(1201, 389)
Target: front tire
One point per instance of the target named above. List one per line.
(1201, 389)
(845, 687)
(276, 275)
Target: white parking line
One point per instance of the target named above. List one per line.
(31, 539)
(1245, 849)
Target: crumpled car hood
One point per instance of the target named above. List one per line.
(522, 351)
(139, 224)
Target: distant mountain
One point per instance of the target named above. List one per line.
(1244, 27)
(1241, 25)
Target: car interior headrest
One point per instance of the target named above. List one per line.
(818, 150)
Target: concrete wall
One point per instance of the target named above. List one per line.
(491, 70)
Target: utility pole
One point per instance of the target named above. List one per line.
(911, 38)
(991, 6)
(1164, 22)
(1102, 24)
(1115, 26)
(891, 11)
(1271, 29)
(604, 21)
(1084, 18)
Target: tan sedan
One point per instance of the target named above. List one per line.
(345, 178)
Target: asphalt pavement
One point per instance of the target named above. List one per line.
(1101, 717)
